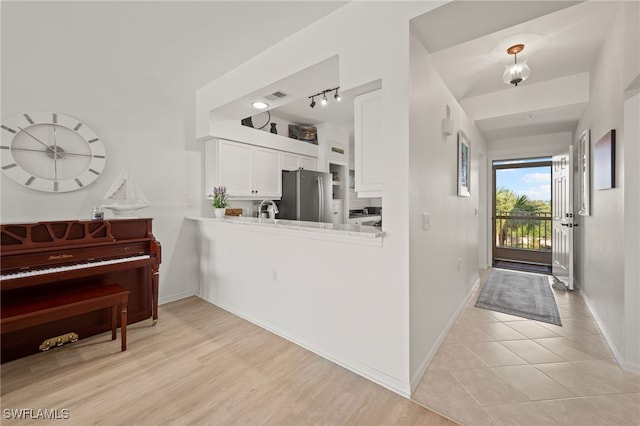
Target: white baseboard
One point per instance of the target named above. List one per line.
(370, 373)
(172, 298)
(424, 365)
(630, 367)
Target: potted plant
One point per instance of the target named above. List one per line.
(220, 200)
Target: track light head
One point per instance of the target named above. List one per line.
(324, 101)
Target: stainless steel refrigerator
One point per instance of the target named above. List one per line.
(306, 195)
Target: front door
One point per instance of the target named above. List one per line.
(562, 214)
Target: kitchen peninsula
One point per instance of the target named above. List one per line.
(305, 281)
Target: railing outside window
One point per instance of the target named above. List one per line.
(523, 230)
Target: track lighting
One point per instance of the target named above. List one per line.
(324, 101)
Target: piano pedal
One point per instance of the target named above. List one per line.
(58, 341)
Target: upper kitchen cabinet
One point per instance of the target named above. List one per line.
(368, 124)
(248, 171)
(291, 161)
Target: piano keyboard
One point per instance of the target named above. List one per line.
(71, 267)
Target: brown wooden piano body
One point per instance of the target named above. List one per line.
(47, 259)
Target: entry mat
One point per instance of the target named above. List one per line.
(521, 294)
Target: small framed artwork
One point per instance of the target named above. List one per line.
(604, 161)
(464, 185)
(584, 173)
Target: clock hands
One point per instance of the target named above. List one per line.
(54, 151)
(58, 153)
(55, 157)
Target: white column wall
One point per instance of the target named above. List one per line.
(444, 259)
(372, 41)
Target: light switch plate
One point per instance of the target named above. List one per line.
(426, 221)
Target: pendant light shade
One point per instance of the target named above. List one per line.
(517, 72)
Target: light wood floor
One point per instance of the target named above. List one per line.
(203, 366)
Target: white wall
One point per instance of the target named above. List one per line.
(438, 284)
(600, 252)
(632, 232)
(147, 130)
(529, 146)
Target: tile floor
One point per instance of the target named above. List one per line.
(499, 369)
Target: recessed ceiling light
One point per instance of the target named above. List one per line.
(259, 105)
(530, 116)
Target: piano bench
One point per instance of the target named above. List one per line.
(30, 313)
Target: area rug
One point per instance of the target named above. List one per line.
(520, 294)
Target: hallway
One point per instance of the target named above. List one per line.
(495, 368)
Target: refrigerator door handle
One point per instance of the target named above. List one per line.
(320, 199)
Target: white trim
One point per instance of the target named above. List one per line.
(625, 366)
(172, 298)
(424, 365)
(366, 371)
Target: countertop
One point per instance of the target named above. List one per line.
(317, 230)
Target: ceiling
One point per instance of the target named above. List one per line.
(562, 39)
(159, 51)
(163, 51)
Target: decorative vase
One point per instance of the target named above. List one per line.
(273, 128)
(219, 212)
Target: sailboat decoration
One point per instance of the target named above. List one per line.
(125, 196)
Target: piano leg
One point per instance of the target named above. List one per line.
(123, 324)
(114, 321)
(154, 291)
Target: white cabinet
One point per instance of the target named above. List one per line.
(368, 121)
(290, 161)
(234, 168)
(248, 171)
(308, 163)
(266, 173)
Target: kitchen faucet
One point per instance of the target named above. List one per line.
(272, 209)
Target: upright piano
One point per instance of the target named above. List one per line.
(47, 259)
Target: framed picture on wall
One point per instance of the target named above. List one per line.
(584, 173)
(604, 160)
(464, 185)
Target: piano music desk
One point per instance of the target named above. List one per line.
(40, 311)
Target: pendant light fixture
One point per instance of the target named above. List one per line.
(313, 101)
(518, 72)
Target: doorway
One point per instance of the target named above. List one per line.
(522, 214)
